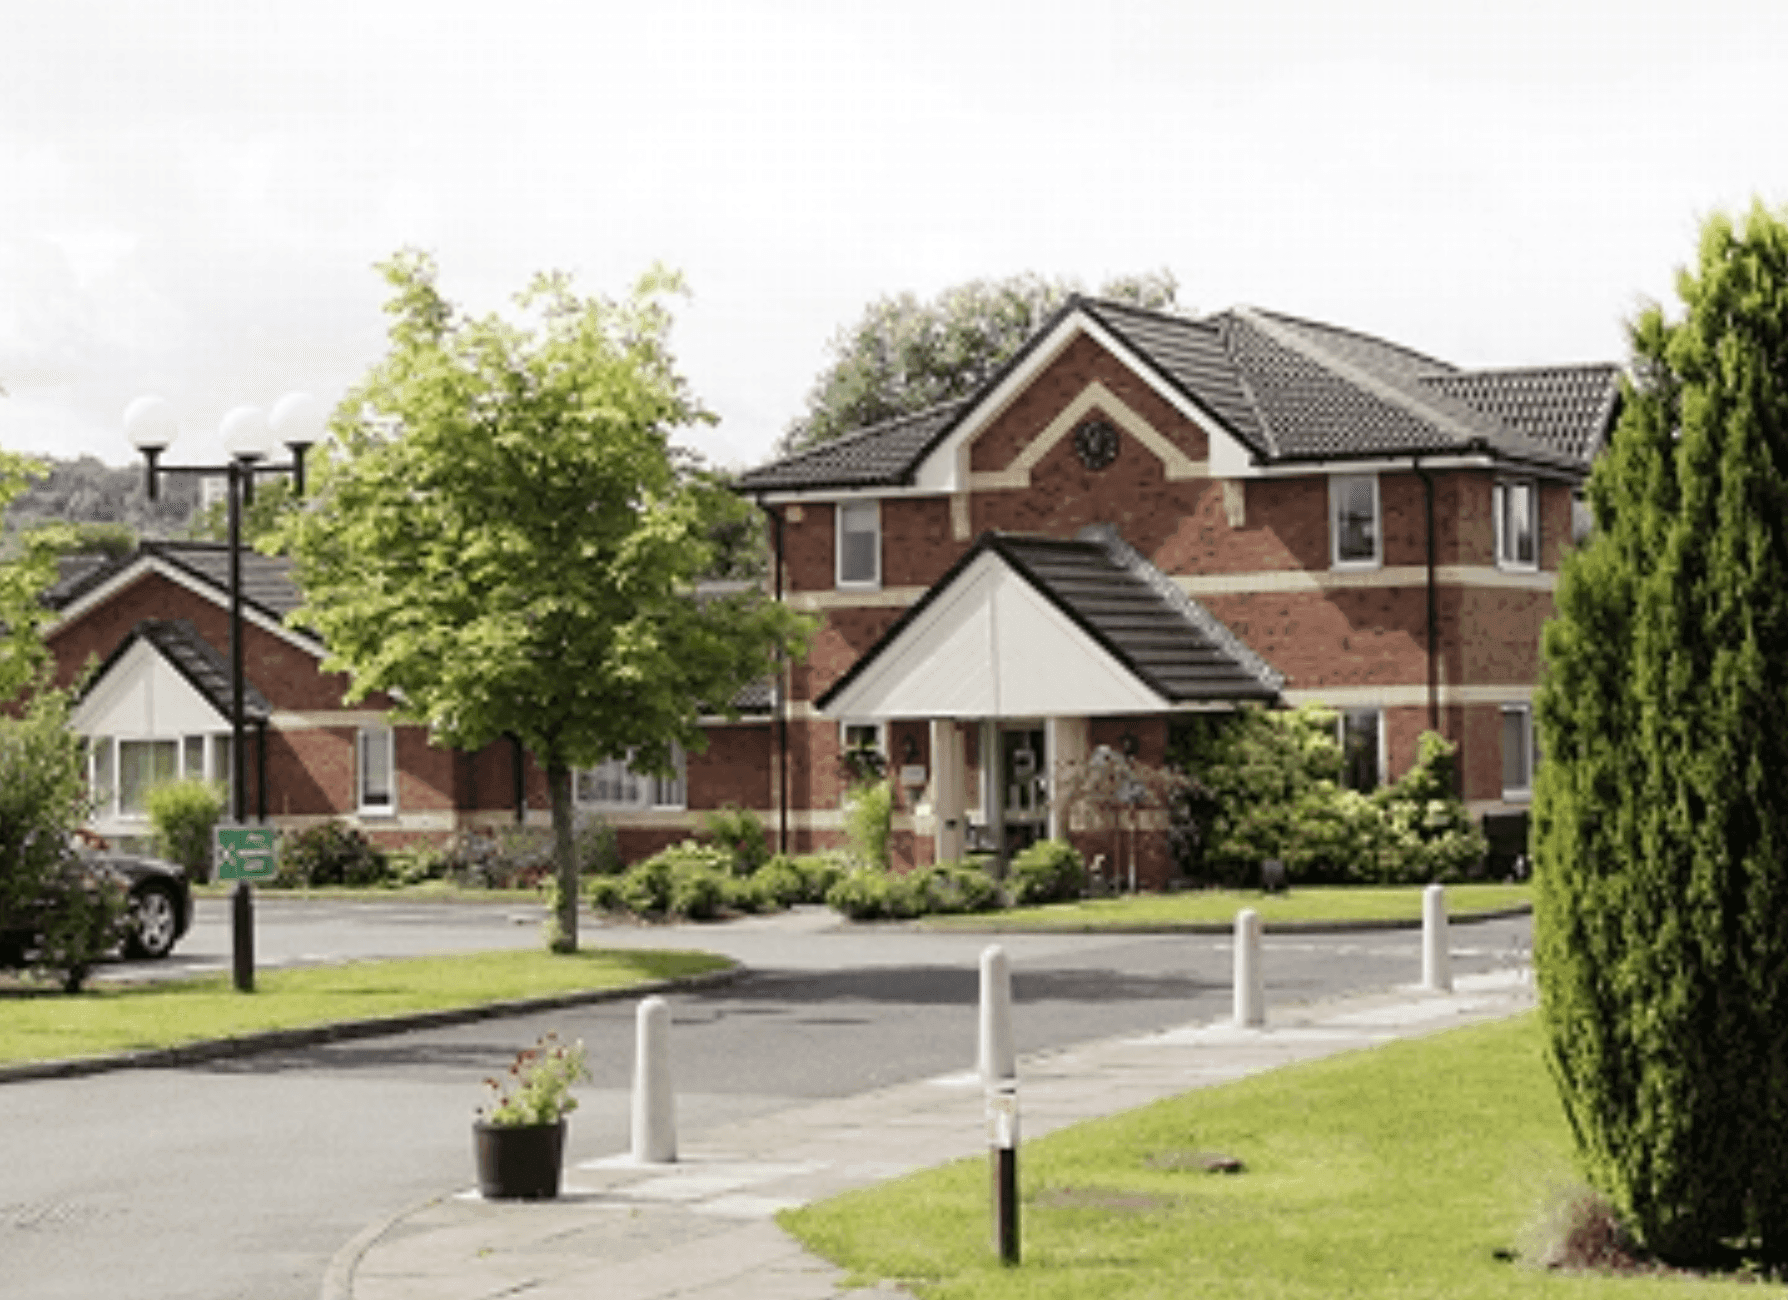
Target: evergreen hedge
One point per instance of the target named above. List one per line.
(1661, 811)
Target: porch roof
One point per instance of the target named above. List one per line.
(1038, 626)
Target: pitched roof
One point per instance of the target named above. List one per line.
(1135, 613)
(266, 579)
(195, 659)
(1288, 390)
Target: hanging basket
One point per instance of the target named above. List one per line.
(519, 1161)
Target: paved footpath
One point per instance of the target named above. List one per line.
(702, 1228)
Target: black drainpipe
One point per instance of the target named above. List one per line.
(1433, 607)
(778, 696)
(521, 785)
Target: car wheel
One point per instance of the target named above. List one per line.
(154, 923)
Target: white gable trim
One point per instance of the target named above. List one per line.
(112, 586)
(991, 645)
(946, 468)
(1018, 474)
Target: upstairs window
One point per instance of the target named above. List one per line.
(859, 544)
(1516, 503)
(377, 771)
(1353, 521)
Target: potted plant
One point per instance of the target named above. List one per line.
(519, 1135)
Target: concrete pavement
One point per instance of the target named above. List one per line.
(703, 1227)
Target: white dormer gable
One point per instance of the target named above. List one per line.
(143, 696)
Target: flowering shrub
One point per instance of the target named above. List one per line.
(537, 1088)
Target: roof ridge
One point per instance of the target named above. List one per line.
(1291, 320)
(1362, 379)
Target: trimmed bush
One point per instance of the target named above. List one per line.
(781, 882)
(867, 894)
(959, 887)
(1049, 871)
(329, 853)
(183, 814)
(869, 822)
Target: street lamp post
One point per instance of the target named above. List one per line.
(296, 420)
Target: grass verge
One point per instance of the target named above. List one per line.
(37, 1025)
(1398, 1172)
(1206, 907)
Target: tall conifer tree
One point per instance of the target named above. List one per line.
(1661, 813)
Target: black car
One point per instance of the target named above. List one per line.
(160, 899)
(160, 903)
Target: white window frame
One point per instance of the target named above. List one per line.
(1522, 793)
(1376, 560)
(1378, 713)
(649, 790)
(847, 725)
(373, 735)
(1499, 503)
(874, 582)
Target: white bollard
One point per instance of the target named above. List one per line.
(1437, 957)
(1250, 987)
(654, 1103)
(995, 1058)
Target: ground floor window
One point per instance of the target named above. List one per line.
(121, 770)
(1517, 751)
(616, 786)
(377, 767)
(1362, 749)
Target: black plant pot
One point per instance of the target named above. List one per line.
(519, 1161)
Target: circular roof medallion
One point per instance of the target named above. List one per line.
(1096, 443)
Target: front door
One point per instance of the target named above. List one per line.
(1025, 767)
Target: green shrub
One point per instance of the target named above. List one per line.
(82, 918)
(415, 863)
(603, 893)
(183, 814)
(866, 894)
(741, 833)
(697, 889)
(329, 853)
(869, 822)
(686, 879)
(959, 887)
(819, 872)
(645, 887)
(1049, 871)
(781, 882)
(747, 894)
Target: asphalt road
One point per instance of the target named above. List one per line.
(242, 1178)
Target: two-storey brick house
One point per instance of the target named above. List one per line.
(1143, 514)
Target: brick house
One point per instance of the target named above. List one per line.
(153, 628)
(1142, 515)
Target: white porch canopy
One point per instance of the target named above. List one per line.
(990, 644)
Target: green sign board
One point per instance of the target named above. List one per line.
(244, 852)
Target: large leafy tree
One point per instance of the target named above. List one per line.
(503, 537)
(1661, 813)
(27, 568)
(904, 355)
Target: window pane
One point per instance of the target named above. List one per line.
(1518, 523)
(1514, 749)
(857, 541)
(375, 768)
(142, 764)
(222, 769)
(101, 775)
(1359, 749)
(192, 757)
(672, 792)
(1356, 518)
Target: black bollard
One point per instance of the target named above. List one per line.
(242, 936)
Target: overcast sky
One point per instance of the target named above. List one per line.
(193, 194)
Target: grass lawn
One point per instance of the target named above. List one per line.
(40, 1025)
(1398, 1172)
(1219, 906)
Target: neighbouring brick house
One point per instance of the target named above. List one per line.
(1144, 514)
(154, 627)
(1139, 516)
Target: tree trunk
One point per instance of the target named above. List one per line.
(558, 784)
